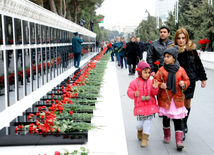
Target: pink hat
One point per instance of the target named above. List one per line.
(142, 65)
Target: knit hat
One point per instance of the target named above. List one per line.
(172, 51)
(142, 65)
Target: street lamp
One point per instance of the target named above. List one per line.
(158, 21)
(176, 13)
(139, 29)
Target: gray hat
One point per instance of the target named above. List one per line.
(76, 33)
(172, 51)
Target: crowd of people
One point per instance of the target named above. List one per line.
(165, 83)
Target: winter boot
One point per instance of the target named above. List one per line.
(167, 135)
(144, 140)
(179, 141)
(140, 134)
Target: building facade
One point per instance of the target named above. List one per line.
(163, 7)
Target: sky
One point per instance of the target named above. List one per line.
(125, 11)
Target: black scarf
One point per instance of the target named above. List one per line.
(171, 80)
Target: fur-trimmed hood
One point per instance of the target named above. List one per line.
(192, 46)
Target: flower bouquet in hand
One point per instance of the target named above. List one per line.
(122, 47)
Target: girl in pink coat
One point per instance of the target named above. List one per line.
(143, 92)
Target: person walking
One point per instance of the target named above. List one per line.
(101, 45)
(121, 53)
(143, 92)
(172, 80)
(97, 46)
(156, 49)
(92, 25)
(116, 46)
(191, 62)
(132, 55)
(141, 46)
(77, 49)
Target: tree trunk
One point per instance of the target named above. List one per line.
(76, 11)
(64, 9)
(41, 3)
(60, 8)
(210, 49)
(68, 13)
(52, 6)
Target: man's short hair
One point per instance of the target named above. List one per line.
(165, 27)
(133, 37)
(122, 37)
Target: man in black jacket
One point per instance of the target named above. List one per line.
(156, 49)
(132, 54)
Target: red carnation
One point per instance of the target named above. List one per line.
(71, 112)
(57, 153)
(157, 63)
(179, 79)
(137, 69)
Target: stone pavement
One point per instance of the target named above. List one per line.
(200, 137)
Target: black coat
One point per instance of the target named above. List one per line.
(132, 52)
(191, 62)
(194, 68)
(155, 53)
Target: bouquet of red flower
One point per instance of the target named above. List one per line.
(203, 43)
(122, 47)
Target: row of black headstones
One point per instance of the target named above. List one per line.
(8, 137)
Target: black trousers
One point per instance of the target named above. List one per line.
(177, 123)
(132, 68)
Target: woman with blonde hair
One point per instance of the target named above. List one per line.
(191, 62)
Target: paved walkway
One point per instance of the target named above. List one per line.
(200, 138)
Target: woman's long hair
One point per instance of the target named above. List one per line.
(180, 31)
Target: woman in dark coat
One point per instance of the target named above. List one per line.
(191, 62)
(132, 55)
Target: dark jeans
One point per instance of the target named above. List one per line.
(177, 123)
(118, 57)
(121, 61)
(77, 57)
(97, 48)
(112, 56)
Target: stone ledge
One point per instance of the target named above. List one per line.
(28, 9)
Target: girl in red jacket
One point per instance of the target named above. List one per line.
(143, 92)
(172, 80)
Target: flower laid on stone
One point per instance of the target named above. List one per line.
(60, 113)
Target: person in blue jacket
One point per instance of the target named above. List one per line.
(116, 47)
(77, 49)
(121, 53)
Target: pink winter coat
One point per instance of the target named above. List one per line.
(143, 107)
